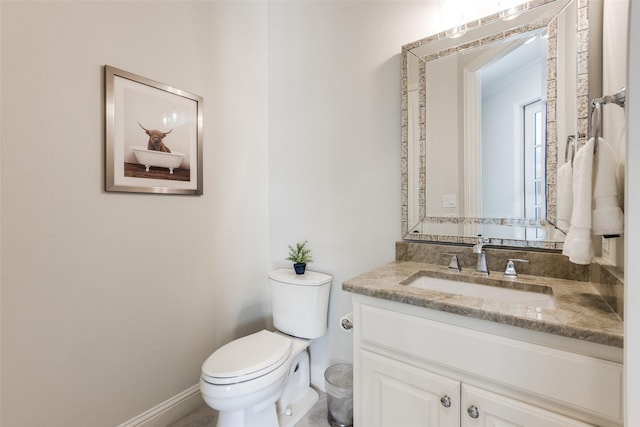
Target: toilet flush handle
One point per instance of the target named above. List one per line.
(346, 324)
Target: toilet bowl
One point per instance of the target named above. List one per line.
(263, 379)
(272, 389)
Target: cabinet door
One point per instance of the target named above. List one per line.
(396, 394)
(481, 408)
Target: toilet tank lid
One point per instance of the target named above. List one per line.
(309, 278)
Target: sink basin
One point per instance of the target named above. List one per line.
(486, 292)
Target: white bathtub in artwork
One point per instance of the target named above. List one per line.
(159, 159)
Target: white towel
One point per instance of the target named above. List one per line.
(578, 245)
(595, 201)
(608, 219)
(564, 196)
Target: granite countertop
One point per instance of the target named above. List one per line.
(580, 312)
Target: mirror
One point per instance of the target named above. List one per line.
(487, 110)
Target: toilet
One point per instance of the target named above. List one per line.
(263, 379)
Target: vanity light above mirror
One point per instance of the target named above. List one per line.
(465, 173)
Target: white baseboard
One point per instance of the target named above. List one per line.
(168, 411)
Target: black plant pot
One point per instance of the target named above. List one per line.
(299, 267)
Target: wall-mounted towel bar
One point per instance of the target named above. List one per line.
(595, 116)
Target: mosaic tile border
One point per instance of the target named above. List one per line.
(417, 234)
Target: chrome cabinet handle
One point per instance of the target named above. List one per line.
(445, 401)
(473, 411)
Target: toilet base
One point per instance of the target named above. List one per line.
(297, 410)
(266, 417)
(298, 396)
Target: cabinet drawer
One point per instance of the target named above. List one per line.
(481, 408)
(585, 383)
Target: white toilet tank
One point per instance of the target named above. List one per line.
(300, 302)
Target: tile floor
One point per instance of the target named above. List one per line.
(206, 417)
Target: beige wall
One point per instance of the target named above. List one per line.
(334, 139)
(111, 302)
(632, 222)
(632, 226)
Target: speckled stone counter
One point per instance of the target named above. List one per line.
(580, 312)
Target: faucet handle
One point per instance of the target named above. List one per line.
(510, 271)
(454, 265)
(477, 248)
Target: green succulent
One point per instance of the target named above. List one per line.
(300, 254)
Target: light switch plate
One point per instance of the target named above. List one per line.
(449, 201)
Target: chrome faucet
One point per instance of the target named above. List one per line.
(481, 265)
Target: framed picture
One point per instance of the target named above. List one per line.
(153, 136)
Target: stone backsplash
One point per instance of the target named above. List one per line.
(609, 281)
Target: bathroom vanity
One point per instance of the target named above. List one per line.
(427, 357)
(438, 346)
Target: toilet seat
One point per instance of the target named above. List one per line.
(247, 358)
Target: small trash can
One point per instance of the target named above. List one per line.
(339, 386)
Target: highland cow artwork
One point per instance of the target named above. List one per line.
(155, 139)
(153, 136)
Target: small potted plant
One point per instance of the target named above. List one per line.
(300, 256)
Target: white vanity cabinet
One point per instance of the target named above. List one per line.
(393, 393)
(416, 367)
